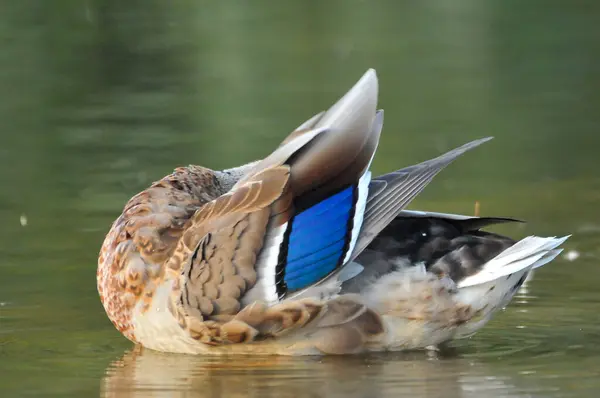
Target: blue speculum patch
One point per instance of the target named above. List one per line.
(318, 240)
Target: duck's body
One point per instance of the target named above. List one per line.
(305, 253)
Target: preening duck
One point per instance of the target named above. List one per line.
(304, 252)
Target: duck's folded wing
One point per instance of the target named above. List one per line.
(256, 245)
(213, 263)
(390, 193)
(313, 230)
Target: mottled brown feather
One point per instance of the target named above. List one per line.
(190, 233)
(215, 258)
(347, 326)
(132, 258)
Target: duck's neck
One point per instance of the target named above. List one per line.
(228, 177)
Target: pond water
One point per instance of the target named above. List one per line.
(100, 98)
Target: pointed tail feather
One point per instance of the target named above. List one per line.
(496, 284)
(530, 252)
(551, 255)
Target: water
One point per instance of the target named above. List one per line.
(100, 98)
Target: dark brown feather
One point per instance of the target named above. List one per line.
(456, 248)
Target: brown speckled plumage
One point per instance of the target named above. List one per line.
(194, 263)
(144, 237)
(214, 261)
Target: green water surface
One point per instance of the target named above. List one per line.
(100, 98)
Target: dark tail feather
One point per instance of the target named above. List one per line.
(476, 223)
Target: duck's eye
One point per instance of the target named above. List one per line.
(423, 233)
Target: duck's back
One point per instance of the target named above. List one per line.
(444, 244)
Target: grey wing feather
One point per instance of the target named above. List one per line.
(401, 187)
(463, 222)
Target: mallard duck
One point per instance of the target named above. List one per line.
(305, 253)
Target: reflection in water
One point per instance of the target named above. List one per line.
(145, 373)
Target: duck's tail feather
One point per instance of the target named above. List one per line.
(494, 286)
(530, 252)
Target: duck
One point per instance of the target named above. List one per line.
(305, 252)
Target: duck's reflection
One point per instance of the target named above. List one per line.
(145, 373)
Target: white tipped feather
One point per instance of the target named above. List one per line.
(551, 255)
(420, 213)
(495, 285)
(265, 266)
(521, 256)
(363, 193)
